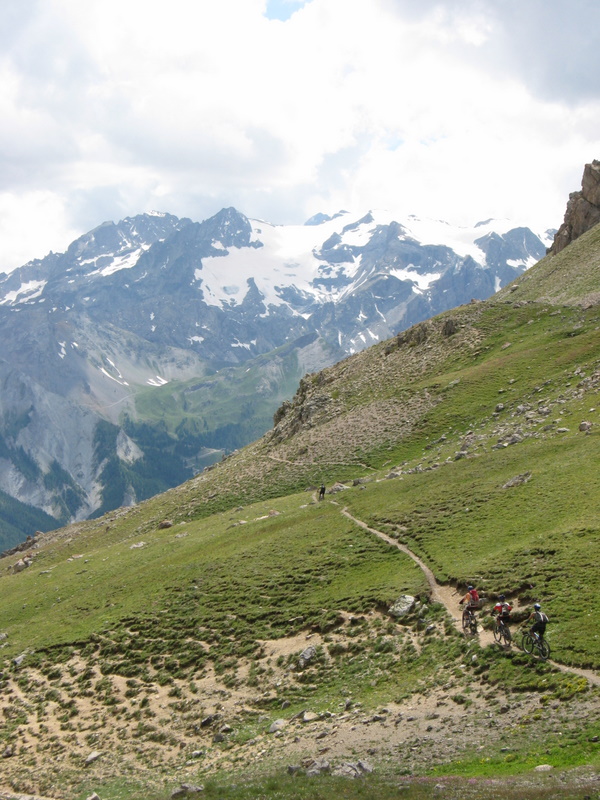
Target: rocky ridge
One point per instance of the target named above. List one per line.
(583, 209)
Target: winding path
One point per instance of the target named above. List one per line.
(447, 596)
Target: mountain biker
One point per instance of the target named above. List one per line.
(471, 598)
(502, 610)
(540, 619)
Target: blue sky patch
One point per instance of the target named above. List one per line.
(283, 9)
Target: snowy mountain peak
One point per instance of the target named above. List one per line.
(229, 259)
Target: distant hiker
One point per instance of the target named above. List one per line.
(539, 621)
(471, 598)
(502, 610)
(322, 492)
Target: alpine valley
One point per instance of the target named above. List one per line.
(154, 346)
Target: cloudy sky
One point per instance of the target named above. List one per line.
(454, 109)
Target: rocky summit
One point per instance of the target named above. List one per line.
(583, 209)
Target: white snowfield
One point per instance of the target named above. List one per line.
(288, 259)
(298, 267)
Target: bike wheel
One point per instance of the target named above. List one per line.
(506, 635)
(473, 626)
(497, 633)
(528, 643)
(466, 623)
(543, 649)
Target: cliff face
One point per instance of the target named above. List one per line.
(583, 209)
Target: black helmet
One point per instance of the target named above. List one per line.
(501, 597)
(537, 606)
(469, 588)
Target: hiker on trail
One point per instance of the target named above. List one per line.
(322, 492)
(502, 610)
(539, 621)
(471, 598)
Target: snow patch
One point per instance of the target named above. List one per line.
(423, 281)
(118, 263)
(112, 377)
(24, 294)
(521, 263)
(237, 343)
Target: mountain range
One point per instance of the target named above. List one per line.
(155, 345)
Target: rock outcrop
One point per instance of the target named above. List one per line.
(583, 209)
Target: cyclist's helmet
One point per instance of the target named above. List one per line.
(537, 606)
(501, 597)
(469, 588)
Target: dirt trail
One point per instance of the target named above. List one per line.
(448, 597)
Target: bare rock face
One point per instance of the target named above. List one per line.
(583, 209)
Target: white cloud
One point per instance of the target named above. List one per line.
(33, 215)
(284, 108)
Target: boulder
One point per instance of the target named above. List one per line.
(317, 767)
(278, 725)
(337, 487)
(518, 480)
(403, 606)
(306, 656)
(185, 790)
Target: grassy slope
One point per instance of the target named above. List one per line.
(203, 594)
(571, 277)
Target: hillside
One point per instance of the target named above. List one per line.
(570, 279)
(235, 627)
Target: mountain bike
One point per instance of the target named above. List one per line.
(534, 644)
(502, 632)
(469, 621)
